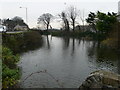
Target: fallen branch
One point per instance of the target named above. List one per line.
(45, 72)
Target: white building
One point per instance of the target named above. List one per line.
(18, 27)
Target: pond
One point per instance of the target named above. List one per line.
(64, 62)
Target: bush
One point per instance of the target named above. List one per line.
(8, 58)
(22, 42)
(10, 74)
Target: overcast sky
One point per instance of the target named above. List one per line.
(10, 8)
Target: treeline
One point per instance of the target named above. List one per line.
(103, 27)
(106, 28)
(101, 23)
(99, 27)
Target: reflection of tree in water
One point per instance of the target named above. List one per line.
(102, 58)
(101, 53)
(48, 43)
(79, 41)
(73, 46)
(66, 42)
(91, 50)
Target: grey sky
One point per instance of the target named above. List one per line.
(10, 8)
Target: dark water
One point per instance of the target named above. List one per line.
(66, 62)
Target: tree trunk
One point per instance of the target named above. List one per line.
(47, 26)
(67, 25)
(73, 25)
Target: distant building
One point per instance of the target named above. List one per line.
(20, 28)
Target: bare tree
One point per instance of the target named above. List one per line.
(63, 16)
(82, 17)
(45, 19)
(72, 13)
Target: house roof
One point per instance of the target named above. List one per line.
(19, 26)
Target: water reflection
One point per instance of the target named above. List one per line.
(66, 41)
(69, 43)
(101, 53)
(102, 57)
(69, 60)
(73, 46)
(79, 41)
(48, 44)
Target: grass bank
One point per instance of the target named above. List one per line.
(88, 35)
(13, 46)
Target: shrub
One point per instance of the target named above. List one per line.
(22, 42)
(10, 74)
(8, 58)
